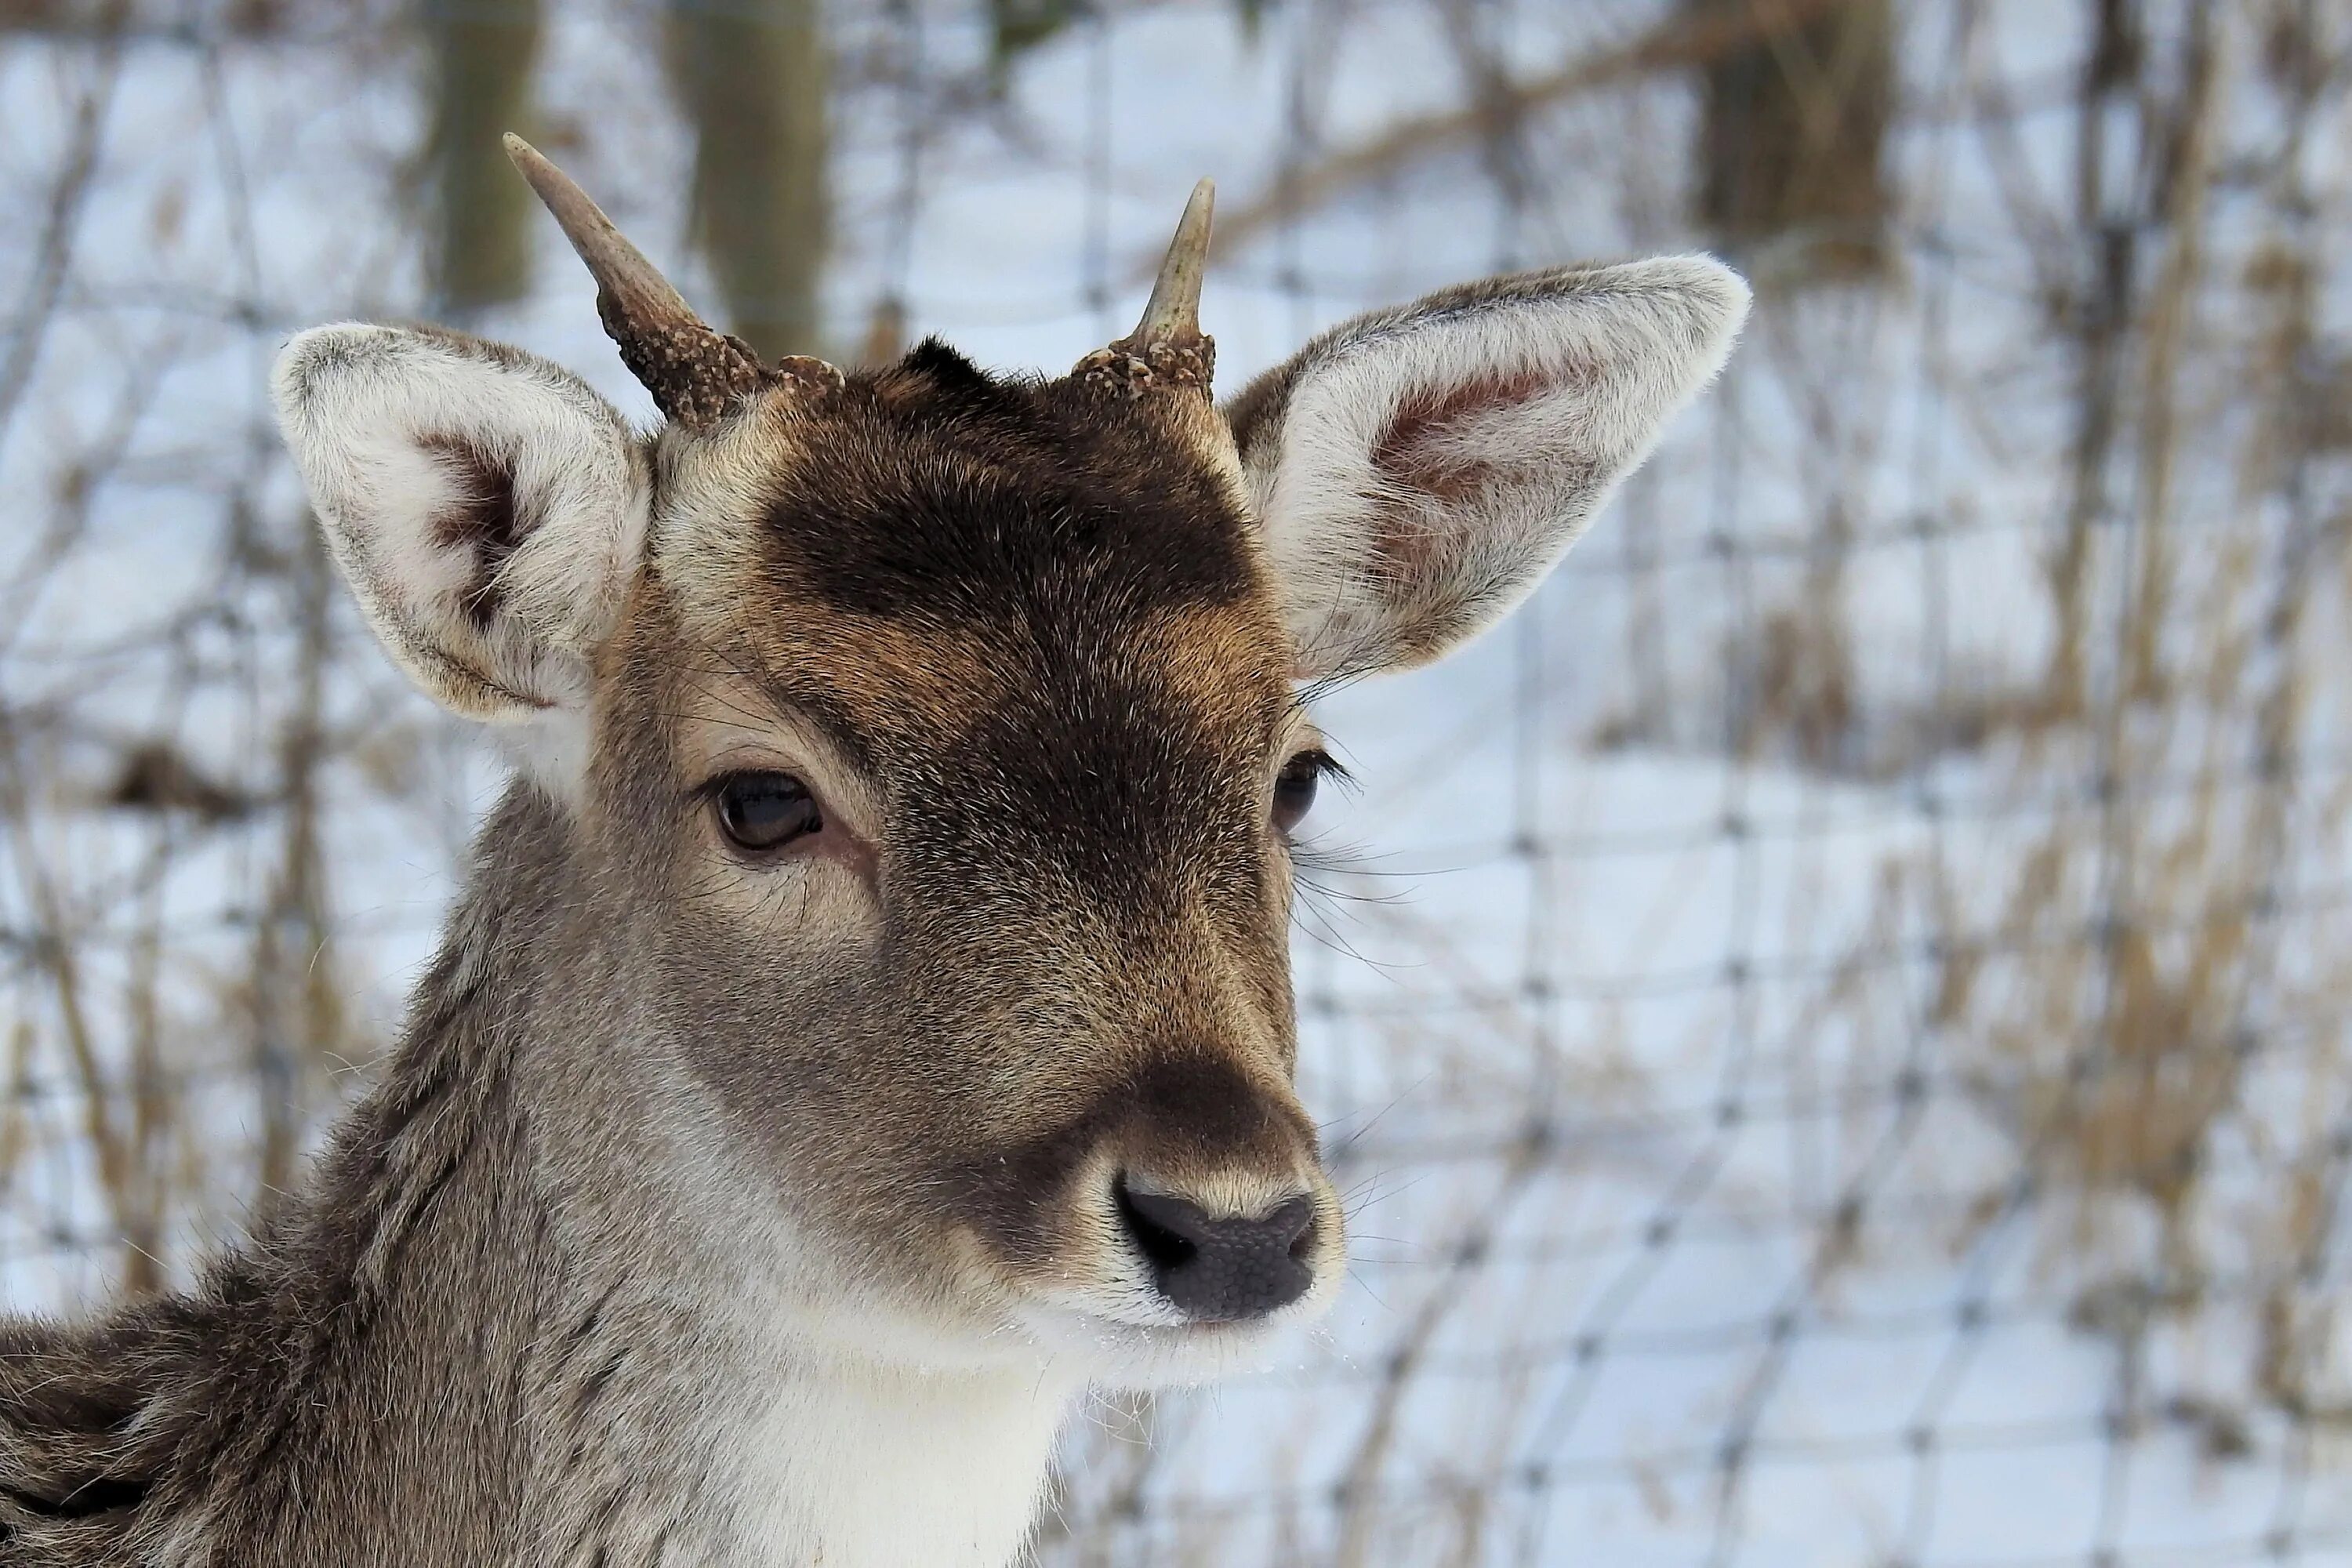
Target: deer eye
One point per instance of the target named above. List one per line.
(1293, 787)
(764, 812)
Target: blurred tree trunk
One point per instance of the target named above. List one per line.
(750, 75)
(2098, 318)
(1792, 130)
(482, 55)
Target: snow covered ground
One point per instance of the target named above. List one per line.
(1690, 1083)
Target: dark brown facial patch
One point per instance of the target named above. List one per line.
(947, 494)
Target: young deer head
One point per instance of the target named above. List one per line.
(932, 743)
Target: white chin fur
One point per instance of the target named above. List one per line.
(1119, 1353)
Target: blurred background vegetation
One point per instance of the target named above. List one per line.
(1835, 1024)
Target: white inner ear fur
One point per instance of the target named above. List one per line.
(1432, 464)
(488, 508)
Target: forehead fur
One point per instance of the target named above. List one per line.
(933, 551)
(933, 491)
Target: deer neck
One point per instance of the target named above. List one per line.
(687, 1437)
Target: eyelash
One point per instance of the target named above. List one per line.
(1291, 784)
(1326, 765)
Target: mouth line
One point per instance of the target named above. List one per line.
(1089, 1317)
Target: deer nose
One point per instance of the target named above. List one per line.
(1221, 1269)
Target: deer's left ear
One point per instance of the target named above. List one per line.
(1418, 471)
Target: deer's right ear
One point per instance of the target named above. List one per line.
(488, 508)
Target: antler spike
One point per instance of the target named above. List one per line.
(1167, 346)
(1173, 312)
(694, 372)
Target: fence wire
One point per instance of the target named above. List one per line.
(1832, 1023)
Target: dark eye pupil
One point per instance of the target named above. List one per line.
(766, 811)
(1294, 789)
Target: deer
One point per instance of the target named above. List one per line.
(865, 1026)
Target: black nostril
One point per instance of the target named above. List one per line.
(1164, 1245)
(1221, 1269)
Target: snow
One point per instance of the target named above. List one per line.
(1705, 1238)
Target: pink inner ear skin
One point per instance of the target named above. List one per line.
(1450, 461)
(1415, 452)
(1422, 456)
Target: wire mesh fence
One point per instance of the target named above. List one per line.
(1832, 1023)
